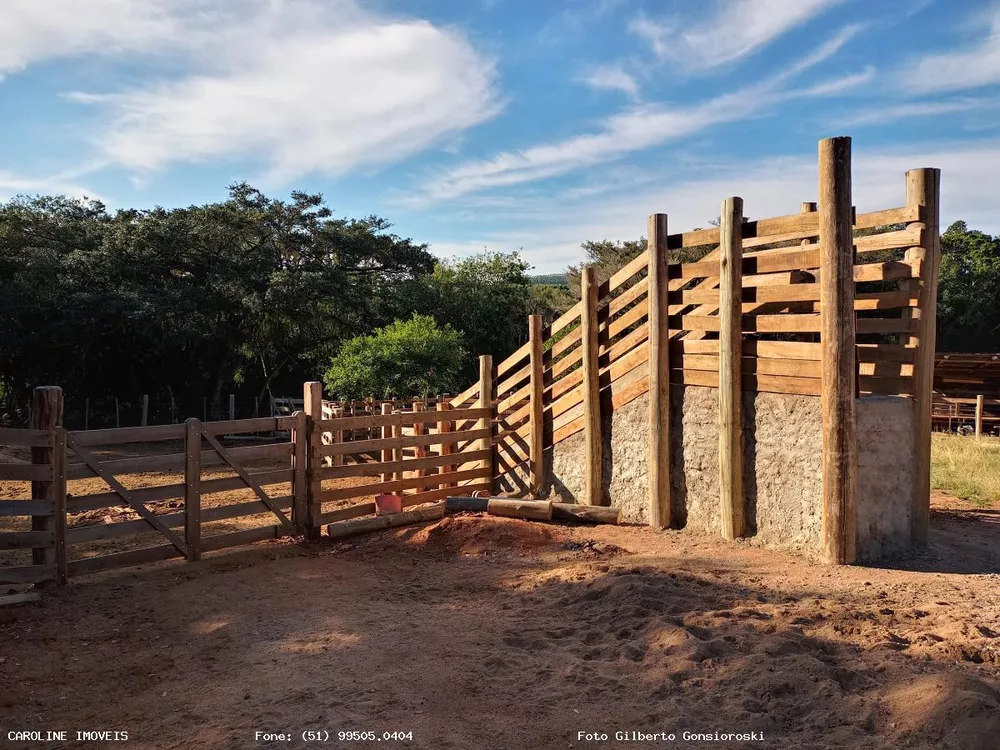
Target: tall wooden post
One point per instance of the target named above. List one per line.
(923, 188)
(192, 488)
(312, 398)
(387, 453)
(731, 368)
(300, 471)
(593, 489)
(980, 404)
(145, 409)
(840, 448)
(536, 459)
(486, 402)
(444, 427)
(232, 406)
(658, 462)
(47, 414)
(419, 429)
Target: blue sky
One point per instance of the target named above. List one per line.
(507, 124)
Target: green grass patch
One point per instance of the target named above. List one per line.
(966, 468)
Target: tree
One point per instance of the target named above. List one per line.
(408, 358)
(969, 291)
(487, 297)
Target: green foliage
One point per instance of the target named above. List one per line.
(556, 279)
(408, 358)
(969, 291)
(192, 301)
(487, 297)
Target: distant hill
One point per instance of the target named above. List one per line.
(559, 279)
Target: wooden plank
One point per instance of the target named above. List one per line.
(13, 508)
(344, 529)
(25, 598)
(122, 435)
(241, 426)
(590, 388)
(27, 539)
(486, 410)
(47, 414)
(626, 298)
(25, 438)
(399, 485)
(300, 472)
(351, 511)
(536, 458)
(122, 559)
(385, 468)
(125, 494)
(26, 472)
(312, 405)
(658, 379)
(904, 238)
(622, 275)
(176, 461)
(240, 538)
(893, 270)
(192, 488)
(886, 325)
(28, 574)
(57, 521)
(923, 190)
(840, 459)
(730, 270)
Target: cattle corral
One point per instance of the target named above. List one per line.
(761, 407)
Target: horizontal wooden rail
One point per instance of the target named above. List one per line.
(400, 485)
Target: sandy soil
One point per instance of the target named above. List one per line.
(496, 633)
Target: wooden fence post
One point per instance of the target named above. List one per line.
(192, 488)
(593, 488)
(445, 426)
(145, 409)
(840, 448)
(419, 428)
(731, 369)
(47, 414)
(312, 405)
(923, 188)
(658, 461)
(980, 404)
(536, 458)
(232, 406)
(486, 402)
(387, 453)
(300, 471)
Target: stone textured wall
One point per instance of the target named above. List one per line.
(782, 467)
(886, 462)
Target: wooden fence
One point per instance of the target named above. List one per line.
(107, 498)
(825, 302)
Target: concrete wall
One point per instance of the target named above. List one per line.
(782, 467)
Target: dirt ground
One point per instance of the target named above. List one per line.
(496, 633)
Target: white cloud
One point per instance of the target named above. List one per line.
(13, 184)
(892, 113)
(611, 78)
(33, 30)
(637, 128)
(971, 66)
(551, 232)
(738, 28)
(299, 85)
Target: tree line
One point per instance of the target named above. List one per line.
(251, 295)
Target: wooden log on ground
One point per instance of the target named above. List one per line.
(343, 529)
(466, 504)
(531, 510)
(590, 513)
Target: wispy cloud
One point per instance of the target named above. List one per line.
(296, 86)
(970, 66)
(637, 128)
(12, 184)
(892, 113)
(737, 29)
(611, 78)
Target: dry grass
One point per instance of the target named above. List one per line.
(966, 468)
